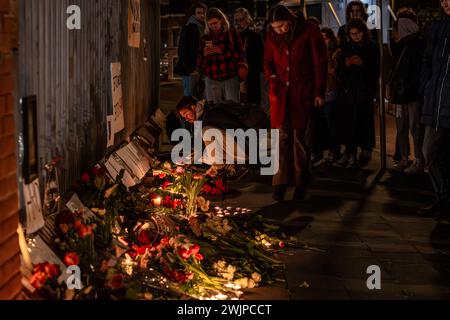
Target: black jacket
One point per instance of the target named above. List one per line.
(188, 48)
(404, 83)
(232, 115)
(436, 76)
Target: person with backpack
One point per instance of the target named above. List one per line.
(404, 88)
(188, 51)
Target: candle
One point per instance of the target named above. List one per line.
(157, 202)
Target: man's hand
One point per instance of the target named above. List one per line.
(319, 102)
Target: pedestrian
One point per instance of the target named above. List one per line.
(358, 72)
(354, 10)
(330, 109)
(295, 64)
(404, 88)
(188, 50)
(436, 113)
(222, 58)
(254, 52)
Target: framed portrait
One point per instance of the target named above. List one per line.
(30, 167)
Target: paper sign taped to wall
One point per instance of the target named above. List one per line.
(33, 207)
(134, 23)
(117, 98)
(110, 131)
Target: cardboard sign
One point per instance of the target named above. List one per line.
(117, 98)
(134, 23)
(33, 207)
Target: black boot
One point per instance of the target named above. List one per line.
(440, 184)
(278, 193)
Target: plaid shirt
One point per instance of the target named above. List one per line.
(223, 66)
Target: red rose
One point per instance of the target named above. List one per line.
(71, 259)
(85, 178)
(116, 282)
(143, 238)
(165, 185)
(162, 175)
(206, 188)
(194, 249)
(185, 254)
(38, 280)
(199, 256)
(281, 244)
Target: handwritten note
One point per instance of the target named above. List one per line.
(117, 98)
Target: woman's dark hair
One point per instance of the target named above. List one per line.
(281, 13)
(198, 5)
(362, 8)
(186, 103)
(333, 39)
(360, 25)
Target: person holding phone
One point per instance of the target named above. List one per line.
(295, 64)
(358, 72)
(222, 59)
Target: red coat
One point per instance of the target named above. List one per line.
(301, 74)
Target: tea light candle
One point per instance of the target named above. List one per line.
(157, 202)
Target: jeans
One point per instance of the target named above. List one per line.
(220, 91)
(191, 85)
(408, 119)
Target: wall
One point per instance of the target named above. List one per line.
(10, 277)
(69, 71)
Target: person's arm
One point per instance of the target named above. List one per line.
(269, 62)
(427, 60)
(201, 61)
(320, 61)
(236, 50)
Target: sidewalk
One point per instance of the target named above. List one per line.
(354, 220)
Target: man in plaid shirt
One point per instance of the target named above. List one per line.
(222, 59)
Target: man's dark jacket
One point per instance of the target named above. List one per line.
(435, 78)
(188, 47)
(405, 78)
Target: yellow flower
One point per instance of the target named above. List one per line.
(256, 277)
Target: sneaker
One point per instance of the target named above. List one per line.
(400, 166)
(352, 163)
(416, 168)
(342, 162)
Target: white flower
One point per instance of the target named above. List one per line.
(167, 165)
(243, 283)
(251, 284)
(256, 277)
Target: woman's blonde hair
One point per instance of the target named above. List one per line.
(246, 15)
(217, 14)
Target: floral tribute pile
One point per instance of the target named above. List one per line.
(163, 239)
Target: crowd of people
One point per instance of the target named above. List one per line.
(321, 87)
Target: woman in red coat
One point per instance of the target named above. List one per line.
(295, 63)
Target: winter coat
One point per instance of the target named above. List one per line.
(404, 83)
(188, 47)
(436, 76)
(300, 68)
(356, 92)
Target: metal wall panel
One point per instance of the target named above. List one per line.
(69, 71)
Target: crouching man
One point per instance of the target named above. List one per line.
(232, 133)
